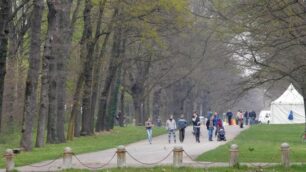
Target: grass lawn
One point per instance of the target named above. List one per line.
(118, 136)
(261, 143)
(299, 168)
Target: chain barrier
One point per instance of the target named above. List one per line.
(198, 162)
(145, 163)
(206, 164)
(94, 168)
(47, 164)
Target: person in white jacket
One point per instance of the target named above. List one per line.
(171, 126)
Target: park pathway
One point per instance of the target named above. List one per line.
(145, 152)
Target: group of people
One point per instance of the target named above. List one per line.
(213, 123)
(171, 126)
(242, 118)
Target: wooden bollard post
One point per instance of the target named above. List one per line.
(234, 155)
(121, 156)
(9, 162)
(67, 158)
(285, 149)
(178, 156)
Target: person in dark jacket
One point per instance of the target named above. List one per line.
(229, 115)
(210, 128)
(196, 126)
(181, 125)
(246, 117)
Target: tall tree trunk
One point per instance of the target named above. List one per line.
(73, 129)
(9, 97)
(44, 100)
(30, 108)
(138, 106)
(87, 48)
(113, 101)
(156, 104)
(111, 72)
(59, 29)
(65, 33)
(90, 42)
(138, 91)
(4, 30)
(122, 103)
(147, 108)
(97, 74)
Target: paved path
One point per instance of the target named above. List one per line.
(145, 152)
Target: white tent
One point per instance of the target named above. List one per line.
(290, 100)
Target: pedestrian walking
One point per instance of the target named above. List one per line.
(246, 117)
(149, 126)
(240, 118)
(229, 115)
(171, 126)
(215, 120)
(181, 125)
(196, 126)
(252, 115)
(210, 128)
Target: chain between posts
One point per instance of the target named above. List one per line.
(198, 162)
(144, 163)
(85, 165)
(47, 164)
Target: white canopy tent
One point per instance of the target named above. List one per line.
(290, 100)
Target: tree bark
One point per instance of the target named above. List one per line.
(111, 72)
(65, 29)
(156, 104)
(113, 101)
(97, 74)
(73, 129)
(87, 48)
(58, 33)
(122, 99)
(4, 30)
(30, 109)
(138, 90)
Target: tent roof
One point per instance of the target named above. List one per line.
(290, 96)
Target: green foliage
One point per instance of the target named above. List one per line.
(101, 141)
(264, 141)
(150, 18)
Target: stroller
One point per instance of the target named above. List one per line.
(221, 135)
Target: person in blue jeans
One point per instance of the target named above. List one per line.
(149, 127)
(181, 125)
(210, 128)
(196, 126)
(171, 127)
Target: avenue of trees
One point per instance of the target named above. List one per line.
(69, 67)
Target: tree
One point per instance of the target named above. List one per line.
(269, 37)
(56, 52)
(30, 109)
(4, 24)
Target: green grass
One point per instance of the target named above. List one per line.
(262, 144)
(296, 168)
(118, 136)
